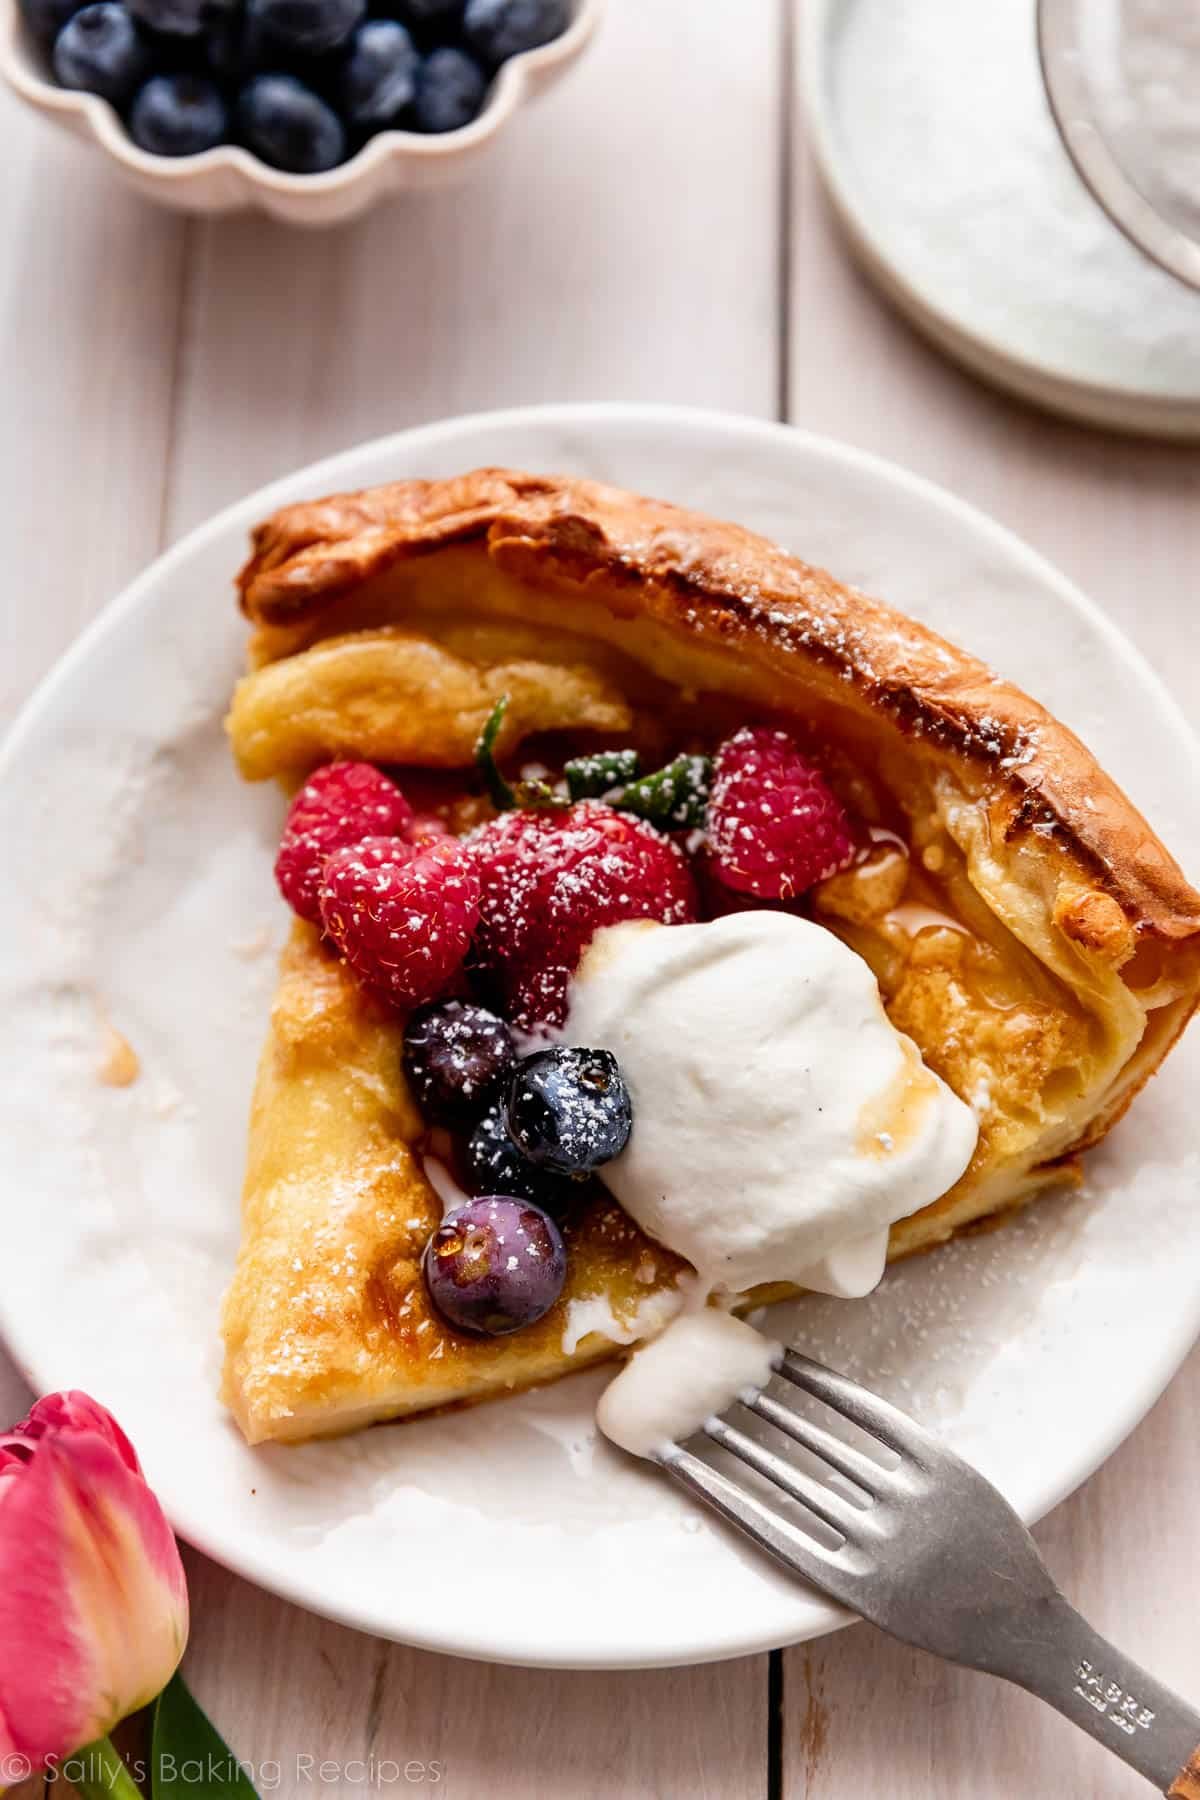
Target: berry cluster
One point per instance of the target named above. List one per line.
(404, 902)
(392, 889)
(422, 916)
(531, 1132)
(301, 83)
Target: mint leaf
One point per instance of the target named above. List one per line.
(674, 798)
(503, 797)
(189, 1759)
(588, 776)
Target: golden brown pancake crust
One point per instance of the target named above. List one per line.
(718, 581)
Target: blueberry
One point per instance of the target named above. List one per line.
(450, 90)
(379, 78)
(498, 29)
(492, 1164)
(306, 27)
(178, 115)
(453, 1054)
(569, 1110)
(101, 51)
(494, 1265)
(289, 126)
(46, 18)
(182, 18)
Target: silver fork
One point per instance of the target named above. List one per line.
(934, 1555)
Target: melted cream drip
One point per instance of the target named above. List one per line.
(702, 1363)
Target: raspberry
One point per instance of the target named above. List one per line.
(401, 914)
(343, 803)
(427, 828)
(551, 880)
(774, 825)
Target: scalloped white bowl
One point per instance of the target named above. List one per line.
(230, 179)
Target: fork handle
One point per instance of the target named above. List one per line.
(1057, 1656)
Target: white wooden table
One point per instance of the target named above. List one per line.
(651, 232)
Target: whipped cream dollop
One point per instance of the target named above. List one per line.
(781, 1124)
(780, 1121)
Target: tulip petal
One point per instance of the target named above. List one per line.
(93, 1603)
(71, 1410)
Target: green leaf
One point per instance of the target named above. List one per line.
(189, 1759)
(503, 797)
(588, 776)
(674, 798)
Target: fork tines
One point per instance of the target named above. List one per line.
(841, 1514)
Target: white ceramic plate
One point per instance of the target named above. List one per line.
(138, 891)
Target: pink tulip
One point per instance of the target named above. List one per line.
(93, 1602)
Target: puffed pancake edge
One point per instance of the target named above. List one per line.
(1078, 910)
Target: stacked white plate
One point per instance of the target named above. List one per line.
(934, 136)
